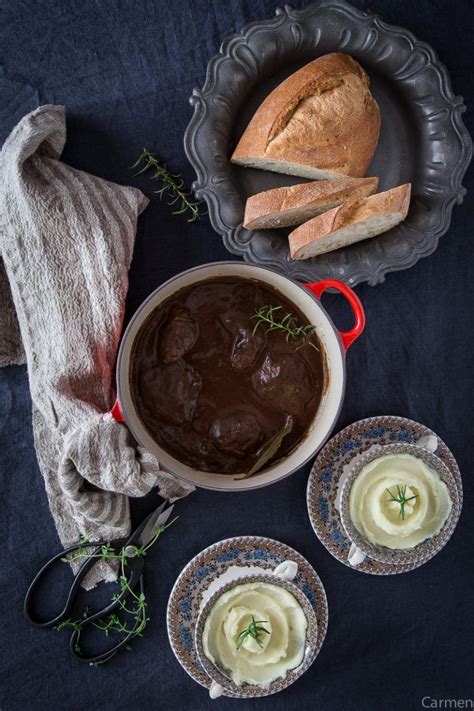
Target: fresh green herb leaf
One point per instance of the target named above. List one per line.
(265, 316)
(66, 624)
(172, 185)
(401, 499)
(79, 552)
(254, 631)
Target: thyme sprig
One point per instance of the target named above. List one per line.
(172, 185)
(254, 631)
(80, 552)
(401, 499)
(266, 316)
(128, 600)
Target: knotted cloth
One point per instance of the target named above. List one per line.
(66, 241)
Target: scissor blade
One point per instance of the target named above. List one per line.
(156, 519)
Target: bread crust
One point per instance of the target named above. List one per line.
(322, 116)
(292, 205)
(355, 211)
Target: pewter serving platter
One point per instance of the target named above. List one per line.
(423, 139)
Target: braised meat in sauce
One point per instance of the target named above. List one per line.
(213, 385)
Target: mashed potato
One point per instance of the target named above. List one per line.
(280, 649)
(378, 517)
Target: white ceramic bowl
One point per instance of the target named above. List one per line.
(334, 343)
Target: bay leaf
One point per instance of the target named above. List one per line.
(270, 449)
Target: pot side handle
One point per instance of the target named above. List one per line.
(117, 412)
(319, 287)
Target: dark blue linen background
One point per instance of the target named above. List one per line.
(124, 70)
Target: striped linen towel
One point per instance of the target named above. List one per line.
(66, 240)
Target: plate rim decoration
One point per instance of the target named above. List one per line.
(236, 70)
(180, 615)
(331, 533)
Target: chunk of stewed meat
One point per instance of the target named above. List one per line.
(284, 380)
(234, 321)
(172, 391)
(178, 335)
(246, 348)
(236, 434)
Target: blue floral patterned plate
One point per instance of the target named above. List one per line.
(337, 454)
(216, 565)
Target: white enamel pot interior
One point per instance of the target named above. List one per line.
(329, 408)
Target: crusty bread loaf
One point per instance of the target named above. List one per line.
(322, 122)
(353, 221)
(296, 204)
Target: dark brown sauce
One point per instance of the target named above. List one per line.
(212, 394)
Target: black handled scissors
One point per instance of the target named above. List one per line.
(143, 535)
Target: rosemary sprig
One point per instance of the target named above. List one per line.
(265, 316)
(128, 600)
(401, 499)
(254, 631)
(172, 185)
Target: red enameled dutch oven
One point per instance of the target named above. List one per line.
(335, 344)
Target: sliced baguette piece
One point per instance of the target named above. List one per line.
(354, 221)
(297, 203)
(322, 122)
